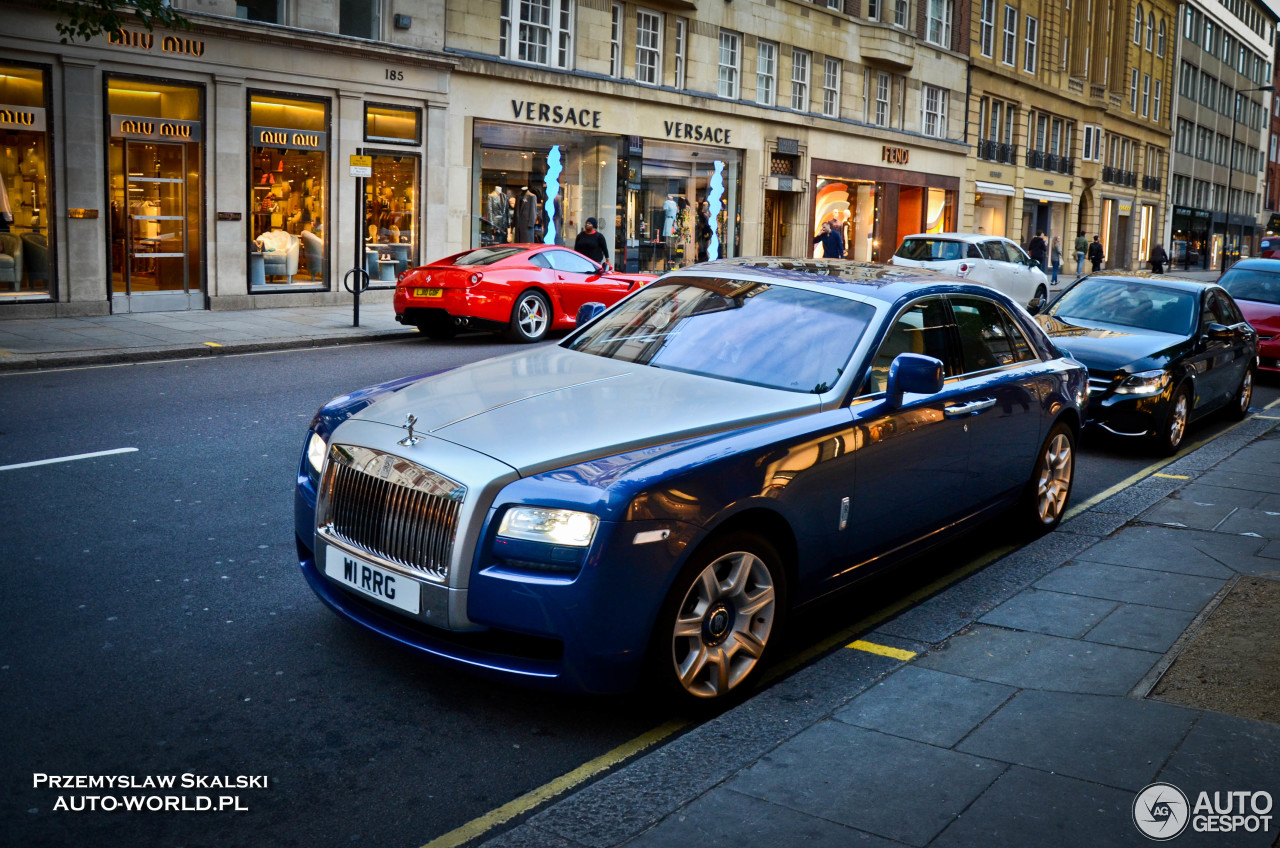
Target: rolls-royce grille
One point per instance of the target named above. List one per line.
(391, 508)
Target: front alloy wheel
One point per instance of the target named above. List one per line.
(530, 319)
(729, 605)
(1175, 425)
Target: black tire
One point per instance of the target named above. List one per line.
(1240, 401)
(713, 636)
(439, 327)
(530, 317)
(1052, 478)
(1173, 430)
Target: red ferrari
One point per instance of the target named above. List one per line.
(524, 290)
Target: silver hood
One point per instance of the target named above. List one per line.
(551, 407)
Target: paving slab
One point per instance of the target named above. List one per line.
(1051, 613)
(926, 706)
(1252, 522)
(1179, 513)
(891, 787)
(1026, 808)
(1037, 661)
(1115, 741)
(1243, 480)
(1141, 627)
(1133, 585)
(1169, 549)
(724, 818)
(1205, 494)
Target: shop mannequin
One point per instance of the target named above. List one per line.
(498, 210)
(526, 215)
(669, 212)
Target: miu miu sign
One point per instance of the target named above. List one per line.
(147, 40)
(289, 139)
(154, 129)
(21, 118)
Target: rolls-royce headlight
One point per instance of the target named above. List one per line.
(553, 526)
(1144, 383)
(316, 448)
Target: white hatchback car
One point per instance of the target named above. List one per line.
(989, 260)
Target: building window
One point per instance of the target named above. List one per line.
(883, 87)
(831, 88)
(766, 72)
(800, 80)
(615, 41)
(873, 10)
(987, 36)
(900, 13)
(648, 47)
(266, 11)
(730, 56)
(1155, 106)
(1137, 25)
(1133, 90)
(1010, 53)
(542, 31)
(391, 214)
(939, 24)
(26, 169)
(1146, 95)
(1160, 40)
(1151, 30)
(682, 37)
(360, 18)
(935, 111)
(835, 4)
(1029, 51)
(392, 124)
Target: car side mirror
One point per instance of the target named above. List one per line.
(1036, 306)
(911, 372)
(588, 312)
(1220, 332)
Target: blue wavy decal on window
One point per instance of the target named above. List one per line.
(713, 198)
(552, 182)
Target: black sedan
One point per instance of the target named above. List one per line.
(1161, 352)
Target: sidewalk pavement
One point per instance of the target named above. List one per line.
(1021, 721)
(57, 342)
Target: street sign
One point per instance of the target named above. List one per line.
(361, 166)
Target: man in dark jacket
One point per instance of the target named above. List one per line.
(1158, 259)
(1037, 249)
(591, 244)
(1095, 255)
(832, 243)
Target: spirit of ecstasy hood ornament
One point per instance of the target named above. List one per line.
(410, 440)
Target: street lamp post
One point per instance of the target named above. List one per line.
(1231, 171)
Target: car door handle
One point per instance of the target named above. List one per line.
(971, 408)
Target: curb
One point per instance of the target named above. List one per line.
(116, 356)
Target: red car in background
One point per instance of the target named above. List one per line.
(524, 290)
(1255, 286)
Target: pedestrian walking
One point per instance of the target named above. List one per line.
(1055, 258)
(591, 243)
(832, 242)
(1037, 248)
(1158, 259)
(1082, 246)
(1095, 255)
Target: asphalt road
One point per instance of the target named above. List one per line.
(152, 621)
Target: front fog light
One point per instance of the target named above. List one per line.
(553, 526)
(316, 448)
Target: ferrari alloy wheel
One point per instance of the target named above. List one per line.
(531, 317)
(726, 612)
(1050, 486)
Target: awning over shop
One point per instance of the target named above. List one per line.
(994, 188)
(1050, 196)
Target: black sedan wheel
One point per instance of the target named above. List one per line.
(1169, 438)
(1239, 407)
(719, 620)
(1050, 484)
(531, 317)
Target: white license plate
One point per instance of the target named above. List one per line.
(387, 586)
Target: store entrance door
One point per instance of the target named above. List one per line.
(776, 213)
(153, 272)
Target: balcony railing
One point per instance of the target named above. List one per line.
(994, 151)
(1050, 162)
(1119, 177)
(1151, 183)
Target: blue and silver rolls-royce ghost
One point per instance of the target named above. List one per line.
(659, 490)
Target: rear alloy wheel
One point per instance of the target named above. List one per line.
(719, 620)
(531, 317)
(1169, 438)
(1050, 486)
(1239, 407)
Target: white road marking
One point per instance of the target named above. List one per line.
(66, 458)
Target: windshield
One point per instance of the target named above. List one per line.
(487, 255)
(1250, 284)
(1129, 304)
(931, 250)
(756, 333)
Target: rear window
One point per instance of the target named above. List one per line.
(487, 255)
(934, 250)
(1252, 284)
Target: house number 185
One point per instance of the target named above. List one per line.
(398, 76)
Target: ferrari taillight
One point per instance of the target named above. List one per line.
(475, 278)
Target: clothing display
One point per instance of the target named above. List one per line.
(497, 210)
(526, 217)
(669, 212)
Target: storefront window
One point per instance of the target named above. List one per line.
(287, 186)
(990, 214)
(392, 124)
(155, 189)
(391, 215)
(26, 214)
(852, 208)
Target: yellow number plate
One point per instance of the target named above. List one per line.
(428, 293)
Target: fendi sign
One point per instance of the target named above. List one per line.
(895, 155)
(147, 40)
(289, 139)
(21, 118)
(154, 129)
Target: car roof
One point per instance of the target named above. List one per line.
(1167, 281)
(970, 237)
(1258, 263)
(871, 280)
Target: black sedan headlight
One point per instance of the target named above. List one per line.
(1144, 383)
